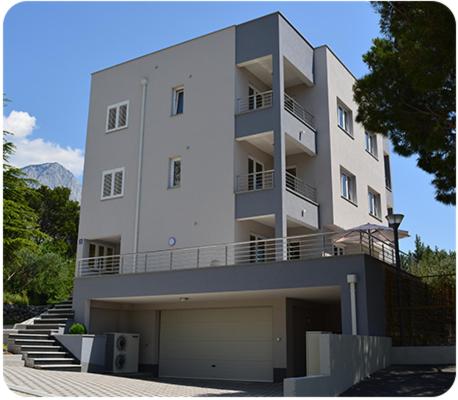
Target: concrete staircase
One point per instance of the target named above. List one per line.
(36, 341)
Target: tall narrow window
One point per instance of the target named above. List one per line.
(257, 248)
(112, 183)
(178, 100)
(175, 172)
(374, 203)
(348, 186)
(371, 143)
(386, 160)
(255, 174)
(344, 118)
(117, 116)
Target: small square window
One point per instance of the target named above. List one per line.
(117, 116)
(178, 101)
(175, 172)
(112, 183)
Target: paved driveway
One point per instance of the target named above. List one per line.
(405, 381)
(31, 381)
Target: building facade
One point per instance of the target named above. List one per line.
(240, 147)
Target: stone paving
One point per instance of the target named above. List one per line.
(34, 382)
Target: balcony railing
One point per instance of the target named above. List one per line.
(300, 188)
(294, 108)
(255, 181)
(255, 102)
(253, 252)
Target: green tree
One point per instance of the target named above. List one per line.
(58, 215)
(409, 93)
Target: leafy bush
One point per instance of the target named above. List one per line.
(15, 298)
(78, 329)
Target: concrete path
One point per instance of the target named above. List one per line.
(34, 382)
(405, 381)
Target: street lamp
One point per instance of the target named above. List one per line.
(394, 220)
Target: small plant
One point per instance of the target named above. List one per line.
(78, 329)
(15, 298)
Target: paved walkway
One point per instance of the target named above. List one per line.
(407, 381)
(29, 381)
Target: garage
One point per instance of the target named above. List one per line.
(226, 343)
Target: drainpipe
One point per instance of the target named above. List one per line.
(144, 83)
(351, 280)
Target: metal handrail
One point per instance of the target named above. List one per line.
(255, 102)
(255, 181)
(300, 188)
(258, 251)
(293, 107)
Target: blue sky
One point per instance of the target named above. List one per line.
(50, 50)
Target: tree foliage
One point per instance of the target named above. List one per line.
(409, 93)
(40, 228)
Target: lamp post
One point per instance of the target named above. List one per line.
(394, 221)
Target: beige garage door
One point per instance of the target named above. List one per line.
(233, 343)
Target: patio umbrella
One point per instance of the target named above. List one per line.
(380, 232)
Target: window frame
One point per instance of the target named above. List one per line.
(175, 91)
(172, 161)
(370, 143)
(117, 106)
(113, 172)
(350, 189)
(376, 203)
(348, 118)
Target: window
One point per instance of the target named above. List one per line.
(374, 203)
(338, 250)
(112, 183)
(371, 143)
(344, 119)
(178, 100)
(348, 186)
(257, 248)
(175, 172)
(386, 160)
(117, 116)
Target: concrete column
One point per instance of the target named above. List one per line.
(279, 137)
(351, 280)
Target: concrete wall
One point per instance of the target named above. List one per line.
(202, 209)
(423, 355)
(344, 360)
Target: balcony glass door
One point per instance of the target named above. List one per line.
(255, 174)
(291, 182)
(257, 248)
(254, 98)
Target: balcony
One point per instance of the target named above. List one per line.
(294, 248)
(255, 181)
(295, 109)
(300, 188)
(255, 102)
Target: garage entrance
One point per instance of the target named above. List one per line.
(226, 343)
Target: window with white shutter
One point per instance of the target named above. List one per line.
(117, 116)
(112, 183)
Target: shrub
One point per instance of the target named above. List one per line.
(15, 298)
(78, 329)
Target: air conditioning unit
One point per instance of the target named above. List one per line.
(122, 352)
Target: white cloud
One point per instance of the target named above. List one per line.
(38, 150)
(20, 123)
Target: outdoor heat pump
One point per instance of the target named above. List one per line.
(122, 352)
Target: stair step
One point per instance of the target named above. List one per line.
(44, 326)
(45, 354)
(28, 348)
(28, 336)
(40, 321)
(37, 331)
(62, 305)
(61, 367)
(31, 342)
(55, 316)
(60, 311)
(48, 361)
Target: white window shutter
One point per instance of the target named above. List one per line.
(118, 183)
(111, 118)
(107, 185)
(122, 116)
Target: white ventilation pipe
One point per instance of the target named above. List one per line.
(144, 83)
(351, 280)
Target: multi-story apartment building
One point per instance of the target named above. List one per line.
(237, 151)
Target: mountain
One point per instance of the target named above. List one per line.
(54, 175)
